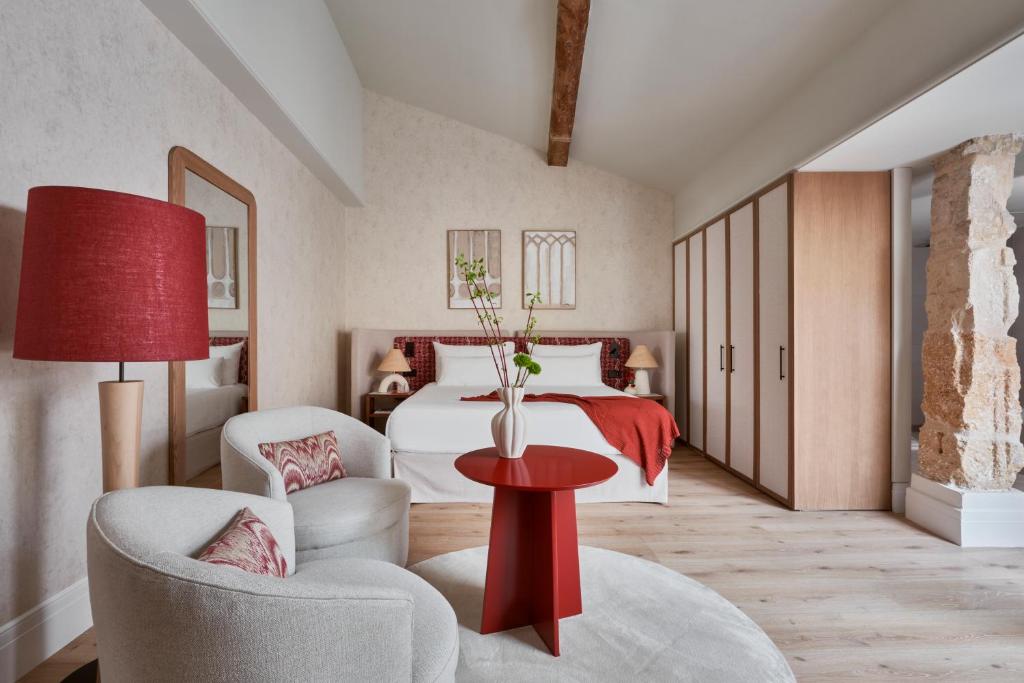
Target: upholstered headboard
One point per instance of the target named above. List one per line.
(419, 352)
(369, 346)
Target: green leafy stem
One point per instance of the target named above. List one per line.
(475, 274)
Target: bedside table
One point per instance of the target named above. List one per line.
(371, 411)
(657, 398)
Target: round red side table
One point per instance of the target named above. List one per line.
(533, 562)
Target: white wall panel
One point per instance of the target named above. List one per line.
(679, 283)
(715, 364)
(695, 415)
(741, 340)
(773, 273)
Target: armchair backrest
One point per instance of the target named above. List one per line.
(149, 524)
(364, 451)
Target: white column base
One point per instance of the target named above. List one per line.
(899, 497)
(971, 519)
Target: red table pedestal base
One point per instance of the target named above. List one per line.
(533, 563)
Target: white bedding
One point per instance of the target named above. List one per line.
(430, 429)
(211, 407)
(434, 420)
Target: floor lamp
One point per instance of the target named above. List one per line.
(112, 277)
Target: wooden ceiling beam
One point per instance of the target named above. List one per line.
(570, 36)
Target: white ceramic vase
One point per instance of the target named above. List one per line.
(508, 426)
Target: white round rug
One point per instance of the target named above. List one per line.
(641, 622)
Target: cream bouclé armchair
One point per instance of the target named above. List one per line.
(161, 615)
(365, 514)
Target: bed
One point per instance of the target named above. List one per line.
(433, 427)
(208, 410)
(211, 401)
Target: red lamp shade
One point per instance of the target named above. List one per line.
(108, 276)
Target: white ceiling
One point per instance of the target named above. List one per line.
(986, 97)
(666, 84)
(982, 99)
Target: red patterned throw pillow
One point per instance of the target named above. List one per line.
(305, 462)
(247, 544)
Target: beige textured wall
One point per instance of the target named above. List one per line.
(96, 93)
(426, 174)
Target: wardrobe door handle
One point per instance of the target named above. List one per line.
(732, 358)
(782, 350)
(721, 358)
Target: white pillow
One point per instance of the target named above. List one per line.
(568, 349)
(232, 355)
(203, 374)
(458, 365)
(469, 350)
(567, 366)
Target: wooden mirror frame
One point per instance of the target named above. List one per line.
(181, 160)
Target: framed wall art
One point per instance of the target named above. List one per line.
(549, 267)
(473, 244)
(222, 267)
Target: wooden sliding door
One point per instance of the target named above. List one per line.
(842, 242)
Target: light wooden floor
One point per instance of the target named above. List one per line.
(845, 595)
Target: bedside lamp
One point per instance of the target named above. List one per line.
(640, 360)
(394, 362)
(108, 277)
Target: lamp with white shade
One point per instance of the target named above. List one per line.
(394, 362)
(640, 360)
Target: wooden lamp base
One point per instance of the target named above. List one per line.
(121, 432)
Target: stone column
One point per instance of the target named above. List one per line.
(971, 433)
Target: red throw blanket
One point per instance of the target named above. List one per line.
(641, 430)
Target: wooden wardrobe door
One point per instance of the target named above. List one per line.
(740, 355)
(773, 333)
(842, 332)
(679, 324)
(717, 343)
(695, 413)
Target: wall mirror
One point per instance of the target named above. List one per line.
(203, 394)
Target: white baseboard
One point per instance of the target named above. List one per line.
(28, 640)
(899, 497)
(972, 519)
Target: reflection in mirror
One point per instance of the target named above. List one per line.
(217, 388)
(206, 393)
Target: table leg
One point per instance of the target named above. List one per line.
(532, 563)
(570, 600)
